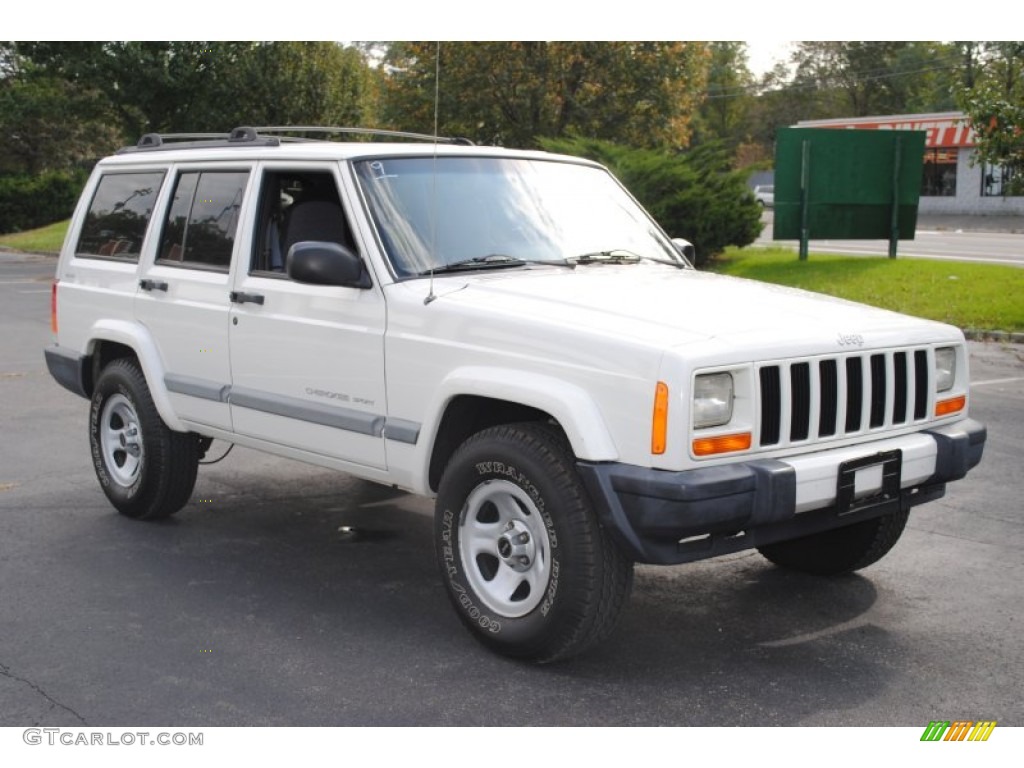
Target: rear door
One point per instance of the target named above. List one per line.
(183, 295)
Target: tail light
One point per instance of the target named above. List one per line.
(53, 308)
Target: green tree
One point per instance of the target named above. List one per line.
(859, 78)
(728, 96)
(512, 93)
(48, 124)
(924, 77)
(50, 132)
(203, 86)
(150, 86)
(994, 104)
(856, 79)
(305, 84)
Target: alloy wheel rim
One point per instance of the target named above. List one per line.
(505, 549)
(121, 440)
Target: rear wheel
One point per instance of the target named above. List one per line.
(146, 470)
(527, 566)
(840, 550)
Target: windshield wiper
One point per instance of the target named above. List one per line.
(620, 256)
(494, 260)
(477, 262)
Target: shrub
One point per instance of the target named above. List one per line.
(29, 201)
(693, 194)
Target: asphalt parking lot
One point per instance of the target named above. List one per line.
(288, 595)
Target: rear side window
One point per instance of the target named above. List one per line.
(119, 214)
(202, 219)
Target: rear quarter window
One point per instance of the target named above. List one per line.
(119, 215)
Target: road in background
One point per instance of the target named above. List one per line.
(284, 594)
(954, 244)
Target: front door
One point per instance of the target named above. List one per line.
(307, 361)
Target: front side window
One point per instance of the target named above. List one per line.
(119, 214)
(201, 222)
(434, 212)
(296, 205)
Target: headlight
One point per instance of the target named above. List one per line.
(945, 368)
(712, 400)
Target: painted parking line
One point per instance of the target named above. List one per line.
(997, 381)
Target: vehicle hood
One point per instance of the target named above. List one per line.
(662, 306)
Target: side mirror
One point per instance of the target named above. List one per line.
(686, 248)
(321, 263)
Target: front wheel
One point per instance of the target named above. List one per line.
(526, 564)
(146, 470)
(840, 550)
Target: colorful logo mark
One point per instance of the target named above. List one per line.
(958, 730)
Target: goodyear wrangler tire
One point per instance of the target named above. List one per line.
(840, 550)
(146, 470)
(526, 564)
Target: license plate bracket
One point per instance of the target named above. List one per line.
(891, 465)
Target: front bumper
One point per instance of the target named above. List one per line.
(677, 517)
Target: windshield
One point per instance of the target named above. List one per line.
(432, 213)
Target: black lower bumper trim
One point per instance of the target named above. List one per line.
(67, 369)
(666, 517)
(960, 447)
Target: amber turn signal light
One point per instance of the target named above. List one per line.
(946, 407)
(659, 421)
(709, 446)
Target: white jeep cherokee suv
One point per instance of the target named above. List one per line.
(507, 331)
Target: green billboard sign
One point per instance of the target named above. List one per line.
(847, 184)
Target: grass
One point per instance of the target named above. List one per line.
(967, 295)
(48, 239)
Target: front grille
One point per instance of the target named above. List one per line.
(843, 395)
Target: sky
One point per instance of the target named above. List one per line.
(762, 55)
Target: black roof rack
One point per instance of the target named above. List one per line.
(330, 129)
(267, 136)
(239, 137)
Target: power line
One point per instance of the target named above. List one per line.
(873, 75)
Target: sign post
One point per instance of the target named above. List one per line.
(805, 197)
(894, 230)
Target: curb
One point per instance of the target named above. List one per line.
(973, 334)
(9, 254)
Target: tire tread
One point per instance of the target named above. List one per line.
(172, 458)
(603, 568)
(841, 550)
